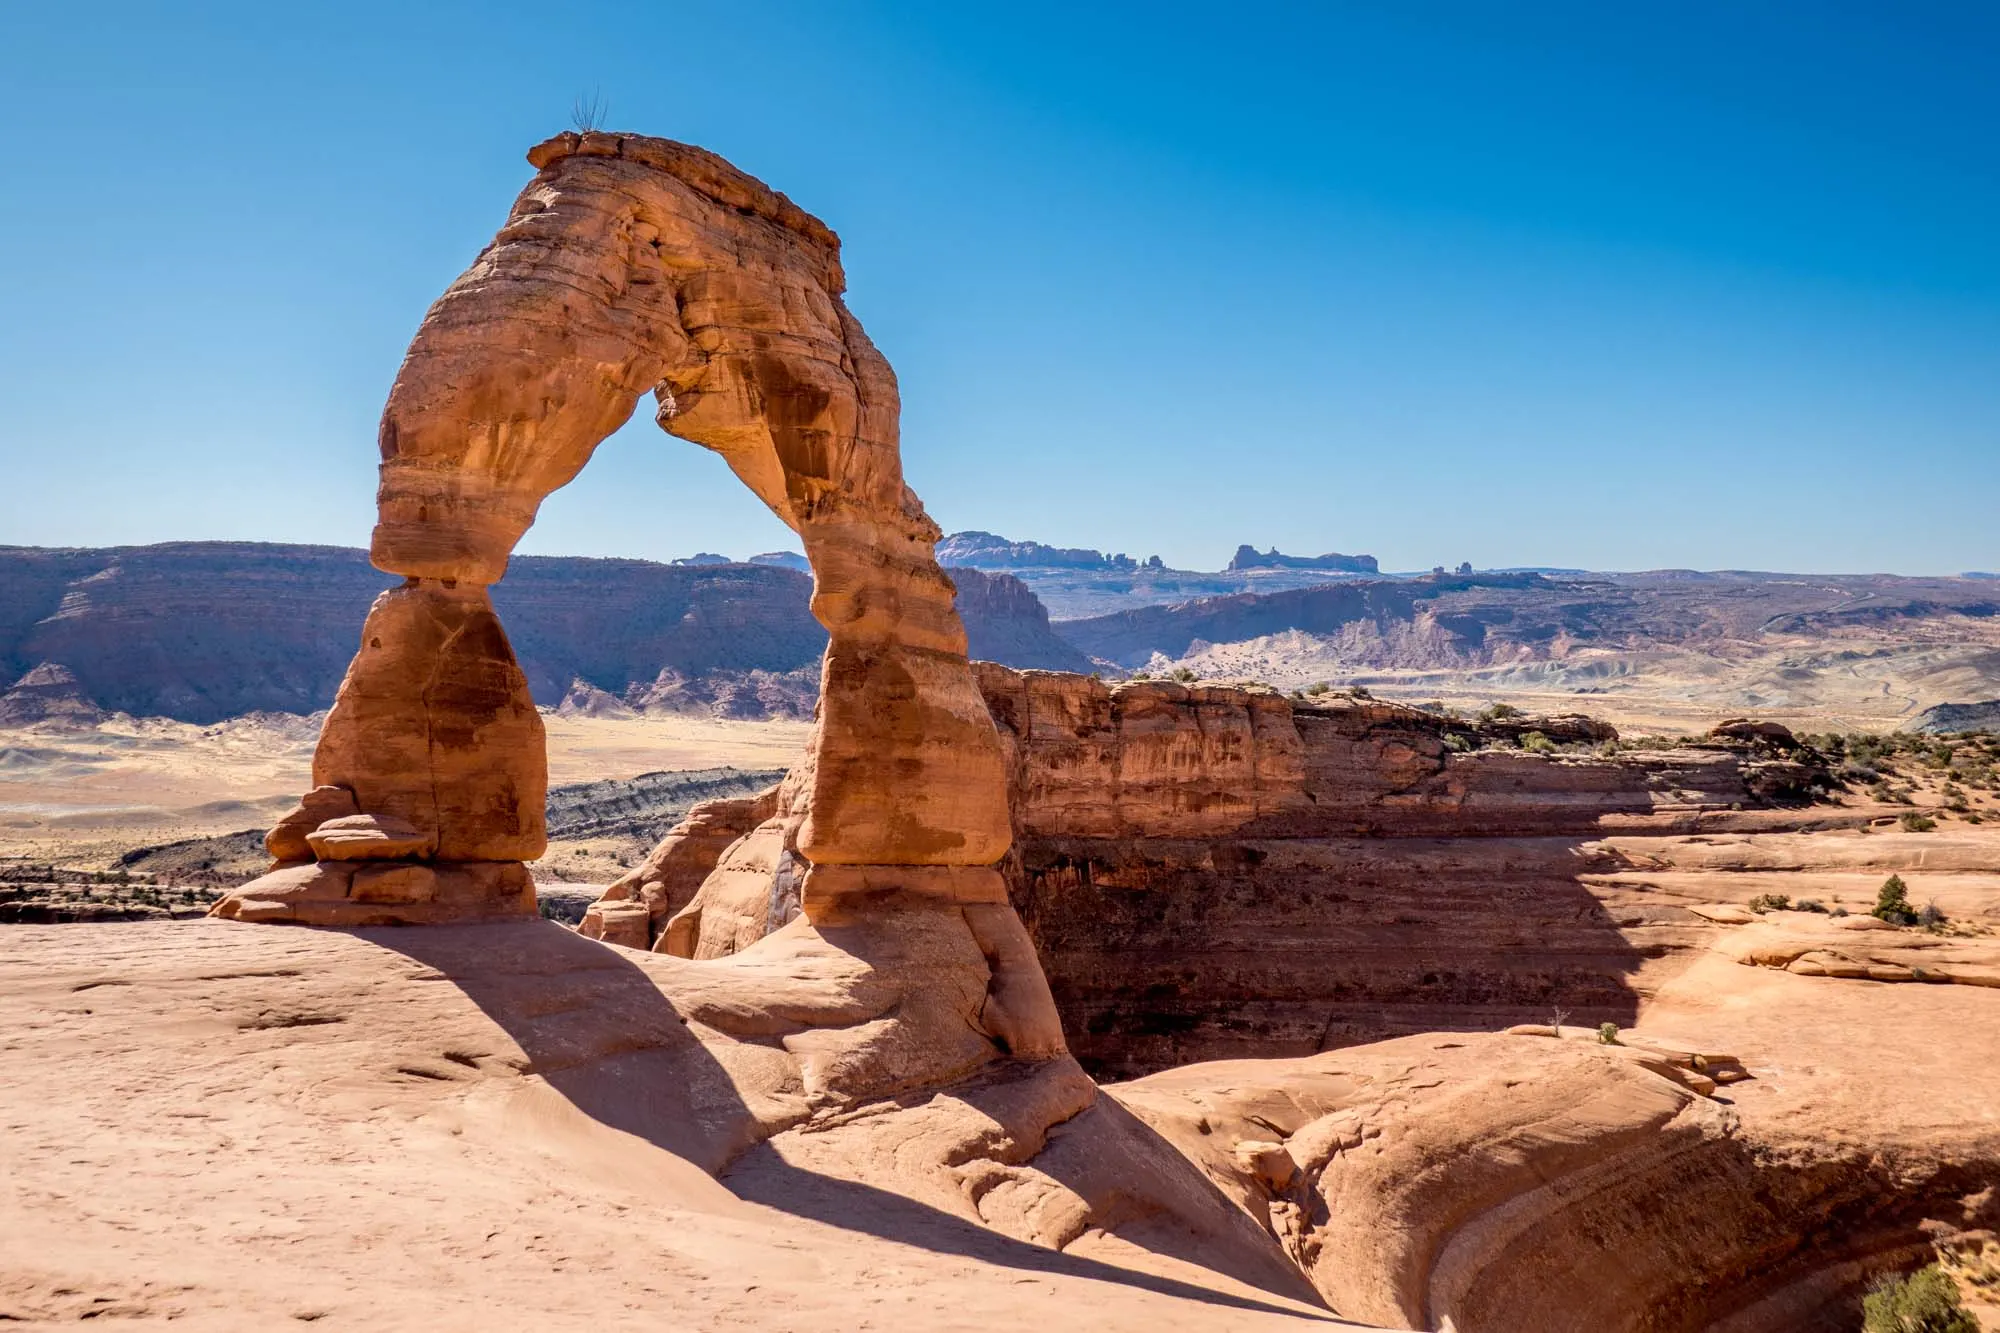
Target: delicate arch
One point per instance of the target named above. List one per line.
(631, 265)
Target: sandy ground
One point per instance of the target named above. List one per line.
(83, 796)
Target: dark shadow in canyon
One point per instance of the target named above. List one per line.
(1163, 953)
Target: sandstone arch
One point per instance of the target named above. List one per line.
(633, 265)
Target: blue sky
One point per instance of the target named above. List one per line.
(1573, 284)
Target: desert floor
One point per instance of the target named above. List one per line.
(82, 796)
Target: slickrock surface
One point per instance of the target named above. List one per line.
(1752, 1153)
(471, 1125)
(479, 1127)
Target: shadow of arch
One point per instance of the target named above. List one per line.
(597, 1027)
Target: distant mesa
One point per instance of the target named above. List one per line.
(783, 560)
(1979, 574)
(1249, 557)
(703, 558)
(986, 550)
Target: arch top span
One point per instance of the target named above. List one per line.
(631, 265)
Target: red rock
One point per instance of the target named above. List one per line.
(286, 840)
(369, 838)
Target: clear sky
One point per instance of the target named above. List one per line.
(1616, 286)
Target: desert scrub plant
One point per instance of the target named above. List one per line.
(1931, 916)
(1499, 713)
(1607, 1033)
(1771, 902)
(587, 113)
(1892, 903)
(1534, 742)
(1182, 674)
(1924, 1302)
(1913, 822)
(1318, 688)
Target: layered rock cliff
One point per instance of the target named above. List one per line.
(1212, 872)
(202, 631)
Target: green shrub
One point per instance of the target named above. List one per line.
(1892, 903)
(1318, 688)
(1608, 1034)
(1924, 1302)
(1536, 743)
(1913, 822)
(1499, 713)
(1182, 674)
(1771, 902)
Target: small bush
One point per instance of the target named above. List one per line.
(1892, 903)
(1924, 1302)
(1318, 689)
(1913, 822)
(1499, 713)
(1182, 674)
(1608, 1034)
(1359, 691)
(1809, 905)
(1932, 916)
(1536, 743)
(1771, 902)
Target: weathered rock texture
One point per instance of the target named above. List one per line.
(631, 265)
(1213, 872)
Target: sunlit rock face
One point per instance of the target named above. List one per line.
(632, 265)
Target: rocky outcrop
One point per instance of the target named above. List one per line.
(1249, 557)
(48, 693)
(1947, 718)
(666, 882)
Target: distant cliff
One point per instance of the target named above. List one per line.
(1006, 622)
(202, 631)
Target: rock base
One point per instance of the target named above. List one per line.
(384, 893)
